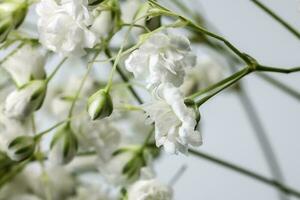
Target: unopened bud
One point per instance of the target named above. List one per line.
(21, 148)
(63, 145)
(29, 98)
(100, 105)
(12, 14)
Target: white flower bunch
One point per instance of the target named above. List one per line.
(95, 92)
(162, 62)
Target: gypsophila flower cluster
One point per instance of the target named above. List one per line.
(93, 92)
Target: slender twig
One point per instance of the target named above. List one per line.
(56, 69)
(276, 69)
(248, 173)
(124, 77)
(277, 18)
(262, 138)
(90, 65)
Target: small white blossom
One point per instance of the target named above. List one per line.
(161, 59)
(63, 27)
(174, 122)
(22, 102)
(149, 190)
(25, 65)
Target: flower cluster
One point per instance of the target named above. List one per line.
(100, 142)
(162, 62)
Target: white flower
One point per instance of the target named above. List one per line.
(22, 102)
(93, 192)
(149, 190)
(174, 122)
(63, 27)
(161, 59)
(100, 136)
(25, 65)
(51, 180)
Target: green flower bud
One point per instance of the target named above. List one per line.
(29, 98)
(64, 145)
(21, 148)
(12, 14)
(100, 105)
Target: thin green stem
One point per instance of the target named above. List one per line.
(277, 18)
(202, 30)
(89, 67)
(56, 70)
(262, 137)
(216, 88)
(246, 172)
(124, 78)
(277, 70)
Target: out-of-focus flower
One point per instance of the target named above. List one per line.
(206, 72)
(149, 190)
(100, 105)
(25, 65)
(51, 180)
(161, 59)
(93, 192)
(103, 23)
(63, 146)
(100, 136)
(63, 26)
(61, 99)
(29, 98)
(12, 14)
(175, 123)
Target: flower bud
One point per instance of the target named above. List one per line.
(12, 14)
(100, 105)
(63, 145)
(21, 148)
(29, 98)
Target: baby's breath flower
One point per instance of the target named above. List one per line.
(63, 26)
(161, 59)
(175, 123)
(148, 190)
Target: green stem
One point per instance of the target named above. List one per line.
(216, 88)
(202, 30)
(262, 137)
(277, 70)
(56, 69)
(277, 18)
(90, 65)
(248, 173)
(124, 78)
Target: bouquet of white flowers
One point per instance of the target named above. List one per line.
(98, 86)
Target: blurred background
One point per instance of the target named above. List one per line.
(227, 131)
